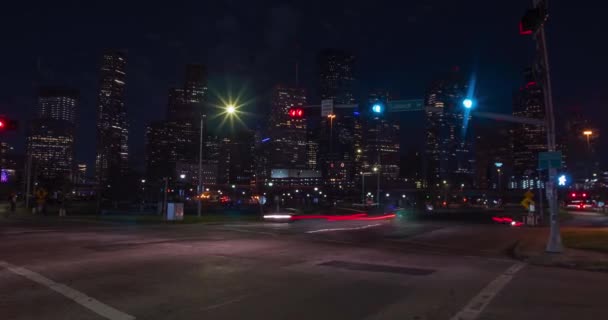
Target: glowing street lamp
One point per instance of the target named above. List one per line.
(588, 134)
(230, 109)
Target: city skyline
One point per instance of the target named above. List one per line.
(151, 94)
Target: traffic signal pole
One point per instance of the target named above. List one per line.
(554, 243)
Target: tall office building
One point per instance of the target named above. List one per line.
(188, 102)
(493, 156)
(288, 132)
(195, 84)
(336, 75)
(112, 158)
(528, 140)
(236, 163)
(176, 140)
(57, 104)
(50, 142)
(312, 151)
(381, 143)
(340, 136)
(168, 143)
(449, 140)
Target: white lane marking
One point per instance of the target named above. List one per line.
(476, 306)
(345, 229)
(90, 303)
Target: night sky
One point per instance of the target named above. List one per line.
(248, 46)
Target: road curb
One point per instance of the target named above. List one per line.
(551, 260)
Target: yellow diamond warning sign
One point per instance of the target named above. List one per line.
(528, 200)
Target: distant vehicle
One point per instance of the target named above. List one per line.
(579, 204)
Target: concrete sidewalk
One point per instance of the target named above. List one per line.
(531, 249)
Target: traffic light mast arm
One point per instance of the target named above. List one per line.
(509, 118)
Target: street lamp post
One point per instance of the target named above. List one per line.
(331, 131)
(143, 194)
(377, 170)
(363, 187)
(499, 179)
(498, 166)
(199, 187)
(588, 134)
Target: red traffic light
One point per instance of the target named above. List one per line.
(7, 124)
(296, 113)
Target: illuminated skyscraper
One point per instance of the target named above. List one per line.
(288, 132)
(112, 128)
(176, 140)
(449, 140)
(188, 102)
(340, 136)
(336, 75)
(528, 140)
(57, 103)
(236, 163)
(381, 142)
(50, 142)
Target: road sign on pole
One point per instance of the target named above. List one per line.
(327, 107)
(528, 200)
(550, 160)
(405, 105)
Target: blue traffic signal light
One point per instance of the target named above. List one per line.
(468, 103)
(378, 108)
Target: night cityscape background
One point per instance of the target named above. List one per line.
(427, 159)
(245, 54)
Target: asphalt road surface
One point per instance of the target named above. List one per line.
(303, 270)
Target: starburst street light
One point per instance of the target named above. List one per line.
(230, 109)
